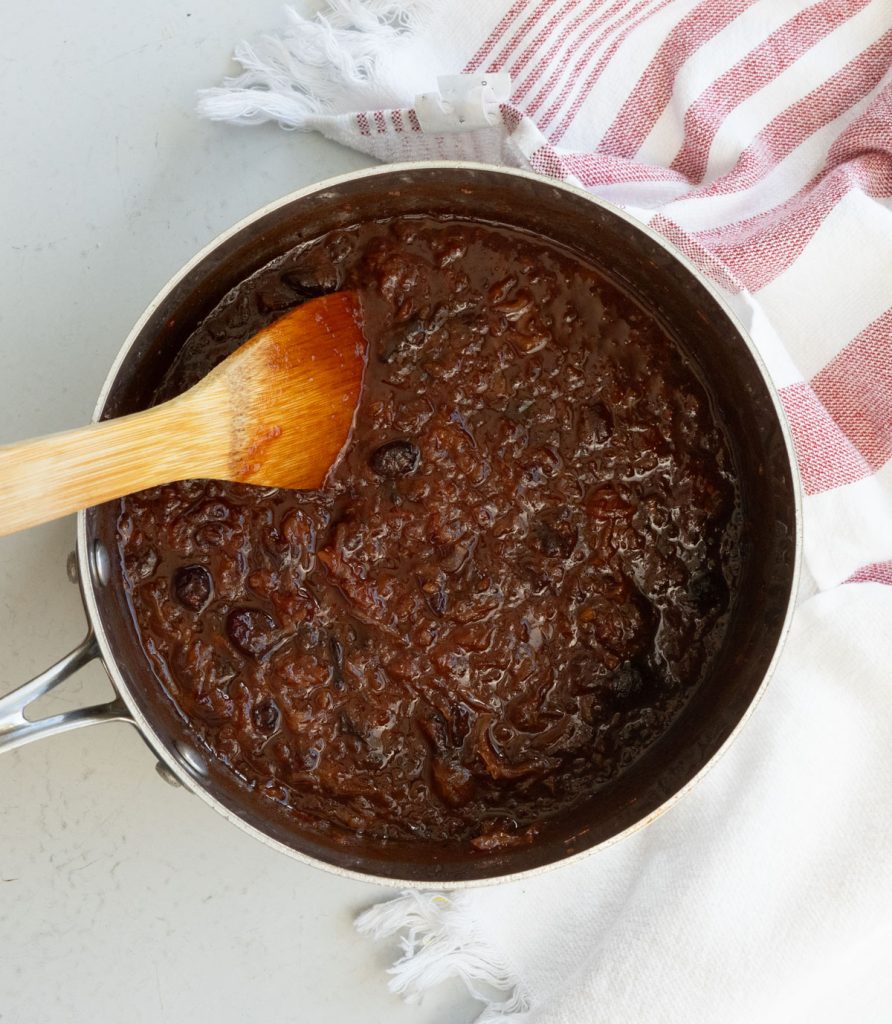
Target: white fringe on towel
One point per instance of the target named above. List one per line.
(380, 76)
(330, 64)
(438, 941)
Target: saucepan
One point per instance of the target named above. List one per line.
(641, 262)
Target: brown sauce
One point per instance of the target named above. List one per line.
(519, 573)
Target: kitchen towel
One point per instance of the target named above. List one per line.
(756, 136)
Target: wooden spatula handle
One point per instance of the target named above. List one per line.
(55, 475)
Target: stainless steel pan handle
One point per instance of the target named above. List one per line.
(16, 729)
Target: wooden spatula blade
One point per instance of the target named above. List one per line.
(293, 389)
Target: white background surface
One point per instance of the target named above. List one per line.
(121, 898)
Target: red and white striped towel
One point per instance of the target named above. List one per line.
(756, 135)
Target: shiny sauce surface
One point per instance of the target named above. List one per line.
(516, 577)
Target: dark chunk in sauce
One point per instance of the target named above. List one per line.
(517, 577)
(396, 458)
(193, 585)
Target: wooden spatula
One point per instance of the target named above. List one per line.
(275, 413)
